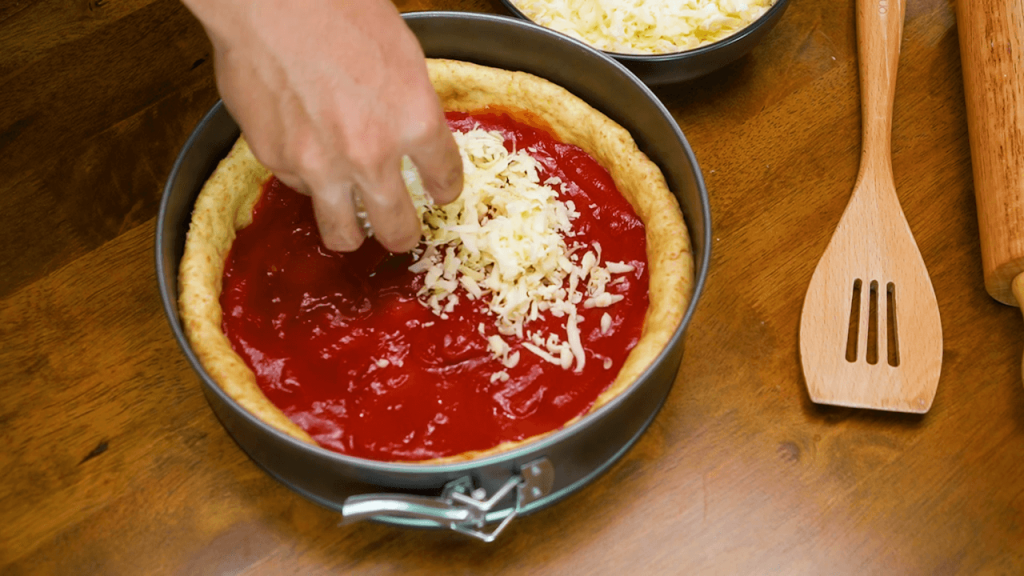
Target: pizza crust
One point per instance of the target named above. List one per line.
(225, 205)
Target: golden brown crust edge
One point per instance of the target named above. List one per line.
(225, 205)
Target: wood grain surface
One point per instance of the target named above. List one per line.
(113, 462)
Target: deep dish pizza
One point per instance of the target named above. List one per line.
(540, 294)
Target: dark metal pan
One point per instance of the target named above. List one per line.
(465, 496)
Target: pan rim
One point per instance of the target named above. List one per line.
(520, 453)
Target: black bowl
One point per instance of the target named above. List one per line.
(571, 457)
(660, 69)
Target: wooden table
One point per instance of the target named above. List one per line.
(113, 462)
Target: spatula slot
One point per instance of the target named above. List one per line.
(854, 329)
(872, 353)
(892, 344)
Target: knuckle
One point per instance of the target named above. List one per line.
(388, 203)
(368, 154)
(427, 125)
(306, 155)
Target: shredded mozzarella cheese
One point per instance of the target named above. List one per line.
(502, 242)
(645, 26)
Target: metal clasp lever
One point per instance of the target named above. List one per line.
(462, 507)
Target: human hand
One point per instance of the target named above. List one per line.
(331, 94)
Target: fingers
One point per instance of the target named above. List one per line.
(390, 210)
(382, 193)
(386, 200)
(440, 166)
(384, 197)
(335, 213)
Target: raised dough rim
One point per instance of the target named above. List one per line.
(226, 200)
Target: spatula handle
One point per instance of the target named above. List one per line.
(992, 53)
(879, 32)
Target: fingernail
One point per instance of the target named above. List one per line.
(342, 243)
(453, 183)
(403, 243)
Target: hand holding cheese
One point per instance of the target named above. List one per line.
(331, 94)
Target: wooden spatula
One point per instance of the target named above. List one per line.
(992, 52)
(870, 334)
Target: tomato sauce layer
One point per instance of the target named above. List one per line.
(340, 343)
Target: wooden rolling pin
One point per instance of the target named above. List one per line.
(992, 54)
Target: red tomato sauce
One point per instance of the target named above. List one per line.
(315, 326)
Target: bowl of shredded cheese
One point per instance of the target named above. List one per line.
(661, 41)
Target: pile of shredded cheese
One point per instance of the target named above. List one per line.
(506, 242)
(645, 26)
